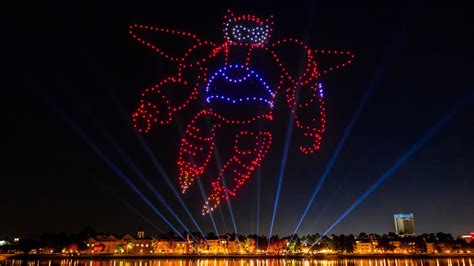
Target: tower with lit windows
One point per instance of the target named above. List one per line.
(404, 224)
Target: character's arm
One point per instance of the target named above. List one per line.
(154, 107)
(304, 95)
(159, 103)
(306, 103)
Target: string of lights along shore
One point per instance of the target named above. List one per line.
(228, 76)
(402, 242)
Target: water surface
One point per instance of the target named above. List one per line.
(244, 262)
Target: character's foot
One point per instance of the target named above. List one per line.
(210, 205)
(206, 209)
(250, 149)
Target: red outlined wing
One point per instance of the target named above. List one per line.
(332, 60)
(299, 63)
(155, 38)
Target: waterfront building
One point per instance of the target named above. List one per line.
(444, 247)
(227, 244)
(162, 246)
(220, 246)
(397, 246)
(404, 224)
(111, 244)
(181, 247)
(430, 247)
(104, 244)
(364, 247)
(215, 246)
(138, 245)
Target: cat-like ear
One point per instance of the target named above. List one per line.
(269, 20)
(228, 15)
(229, 19)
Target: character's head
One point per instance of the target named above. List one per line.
(247, 29)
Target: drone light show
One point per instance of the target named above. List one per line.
(227, 74)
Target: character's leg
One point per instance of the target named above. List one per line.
(249, 150)
(196, 150)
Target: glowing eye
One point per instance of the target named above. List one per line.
(257, 34)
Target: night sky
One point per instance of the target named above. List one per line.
(75, 64)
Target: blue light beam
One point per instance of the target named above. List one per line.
(415, 148)
(259, 183)
(129, 161)
(137, 212)
(76, 129)
(334, 156)
(204, 196)
(309, 26)
(284, 159)
(384, 61)
(157, 164)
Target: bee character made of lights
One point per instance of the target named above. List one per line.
(246, 70)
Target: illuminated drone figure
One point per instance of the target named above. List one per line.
(247, 71)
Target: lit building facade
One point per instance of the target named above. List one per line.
(181, 247)
(162, 246)
(104, 244)
(364, 247)
(431, 247)
(226, 245)
(405, 224)
(111, 244)
(397, 247)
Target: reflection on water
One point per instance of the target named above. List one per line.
(244, 262)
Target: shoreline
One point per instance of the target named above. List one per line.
(235, 256)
